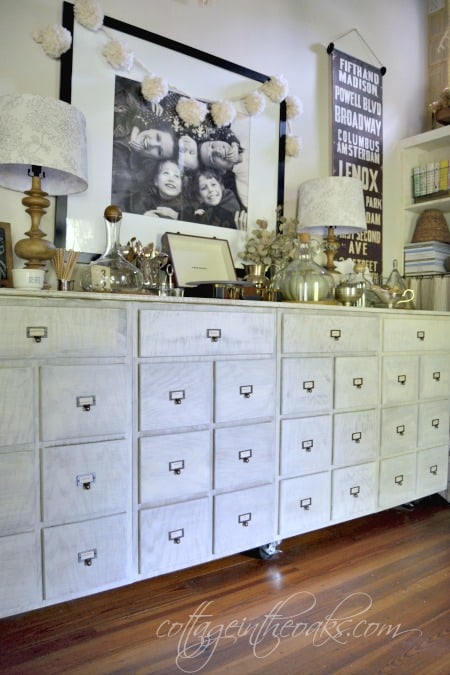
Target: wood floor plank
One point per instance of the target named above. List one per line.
(369, 597)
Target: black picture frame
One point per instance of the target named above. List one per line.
(65, 204)
(6, 256)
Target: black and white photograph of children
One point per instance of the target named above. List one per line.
(163, 168)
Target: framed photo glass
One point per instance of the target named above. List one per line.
(118, 118)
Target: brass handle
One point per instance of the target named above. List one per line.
(356, 436)
(401, 429)
(435, 423)
(176, 466)
(85, 402)
(434, 469)
(308, 385)
(246, 390)
(177, 396)
(176, 535)
(86, 557)
(36, 333)
(305, 503)
(335, 334)
(245, 455)
(358, 382)
(307, 445)
(398, 480)
(401, 379)
(421, 335)
(86, 480)
(244, 519)
(354, 491)
(213, 334)
(437, 376)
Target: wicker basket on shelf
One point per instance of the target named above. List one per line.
(431, 226)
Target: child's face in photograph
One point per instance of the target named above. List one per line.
(168, 179)
(210, 190)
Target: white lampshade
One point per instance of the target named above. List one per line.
(42, 132)
(335, 201)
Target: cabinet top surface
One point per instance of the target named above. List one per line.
(9, 297)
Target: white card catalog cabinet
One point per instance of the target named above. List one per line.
(142, 435)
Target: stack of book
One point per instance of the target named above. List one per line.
(431, 180)
(425, 257)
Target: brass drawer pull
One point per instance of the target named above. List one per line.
(176, 535)
(246, 390)
(86, 557)
(400, 429)
(305, 503)
(307, 445)
(435, 423)
(176, 466)
(244, 519)
(308, 385)
(177, 396)
(335, 334)
(36, 333)
(437, 376)
(245, 455)
(354, 491)
(86, 480)
(398, 480)
(356, 436)
(213, 334)
(85, 402)
(401, 379)
(434, 469)
(358, 382)
(421, 335)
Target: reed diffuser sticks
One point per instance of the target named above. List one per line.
(64, 263)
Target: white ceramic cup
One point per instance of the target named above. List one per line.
(28, 279)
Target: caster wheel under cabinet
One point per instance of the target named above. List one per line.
(145, 436)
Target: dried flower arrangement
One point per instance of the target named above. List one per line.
(270, 247)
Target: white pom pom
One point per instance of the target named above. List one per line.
(294, 107)
(293, 146)
(223, 113)
(154, 88)
(192, 112)
(276, 88)
(118, 55)
(55, 40)
(254, 103)
(89, 14)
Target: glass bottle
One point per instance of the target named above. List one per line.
(395, 280)
(112, 273)
(303, 280)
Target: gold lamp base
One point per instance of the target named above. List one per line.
(35, 250)
(331, 247)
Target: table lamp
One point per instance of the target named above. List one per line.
(330, 206)
(42, 140)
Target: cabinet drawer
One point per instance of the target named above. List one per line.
(244, 456)
(354, 490)
(434, 375)
(329, 334)
(400, 379)
(397, 480)
(244, 390)
(175, 536)
(174, 395)
(18, 492)
(355, 381)
(243, 519)
(415, 334)
(304, 503)
(398, 429)
(305, 445)
(84, 556)
(85, 480)
(434, 421)
(174, 467)
(79, 401)
(16, 406)
(306, 385)
(355, 437)
(201, 333)
(62, 331)
(20, 579)
(432, 470)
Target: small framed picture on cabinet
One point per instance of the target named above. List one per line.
(5, 255)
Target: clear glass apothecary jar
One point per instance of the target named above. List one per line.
(303, 280)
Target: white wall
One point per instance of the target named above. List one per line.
(272, 37)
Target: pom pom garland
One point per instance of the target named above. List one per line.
(154, 88)
(276, 88)
(254, 103)
(223, 113)
(118, 55)
(191, 111)
(55, 40)
(89, 14)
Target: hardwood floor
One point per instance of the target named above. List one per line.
(369, 597)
